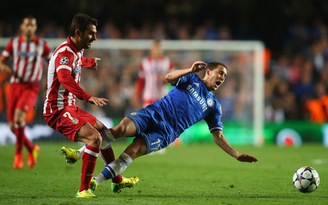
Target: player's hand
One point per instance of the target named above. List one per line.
(246, 158)
(95, 67)
(198, 66)
(98, 101)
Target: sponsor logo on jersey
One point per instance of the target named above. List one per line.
(27, 54)
(197, 97)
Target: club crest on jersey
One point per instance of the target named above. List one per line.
(64, 61)
(134, 114)
(210, 102)
(75, 121)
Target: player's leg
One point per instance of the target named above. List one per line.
(125, 128)
(108, 156)
(12, 100)
(135, 149)
(89, 135)
(19, 130)
(28, 96)
(118, 182)
(77, 128)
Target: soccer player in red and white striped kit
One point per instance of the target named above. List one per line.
(28, 52)
(151, 84)
(60, 109)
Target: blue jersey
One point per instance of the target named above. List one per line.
(186, 104)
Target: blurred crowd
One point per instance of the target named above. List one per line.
(296, 69)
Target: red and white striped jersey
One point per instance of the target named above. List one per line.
(152, 74)
(27, 58)
(64, 75)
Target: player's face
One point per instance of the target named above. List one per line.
(28, 27)
(88, 36)
(217, 77)
(156, 50)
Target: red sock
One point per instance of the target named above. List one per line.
(89, 159)
(28, 144)
(117, 179)
(19, 132)
(109, 156)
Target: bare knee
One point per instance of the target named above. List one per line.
(89, 135)
(19, 117)
(95, 140)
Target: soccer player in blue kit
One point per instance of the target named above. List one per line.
(160, 123)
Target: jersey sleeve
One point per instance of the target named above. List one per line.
(213, 120)
(8, 51)
(65, 78)
(63, 62)
(89, 63)
(46, 51)
(184, 79)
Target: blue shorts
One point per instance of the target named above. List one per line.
(152, 127)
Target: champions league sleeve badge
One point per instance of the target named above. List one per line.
(64, 60)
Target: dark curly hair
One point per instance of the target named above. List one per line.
(81, 21)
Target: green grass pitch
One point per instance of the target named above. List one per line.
(193, 174)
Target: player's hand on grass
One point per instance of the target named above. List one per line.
(98, 101)
(246, 158)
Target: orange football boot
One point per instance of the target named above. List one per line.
(32, 157)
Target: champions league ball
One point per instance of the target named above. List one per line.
(306, 179)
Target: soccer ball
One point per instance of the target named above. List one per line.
(306, 179)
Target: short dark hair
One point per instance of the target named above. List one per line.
(81, 21)
(213, 65)
(29, 16)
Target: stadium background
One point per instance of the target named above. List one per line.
(294, 33)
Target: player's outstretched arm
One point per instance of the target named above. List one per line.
(174, 75)
(90, 63)
(221, 141)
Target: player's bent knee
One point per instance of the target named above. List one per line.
(93, 139)
(97, 140)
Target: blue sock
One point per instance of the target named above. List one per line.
(108, 172)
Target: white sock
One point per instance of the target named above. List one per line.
(114, 168)
(80, 151)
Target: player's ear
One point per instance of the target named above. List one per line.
(78, 32)
(208, 71)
